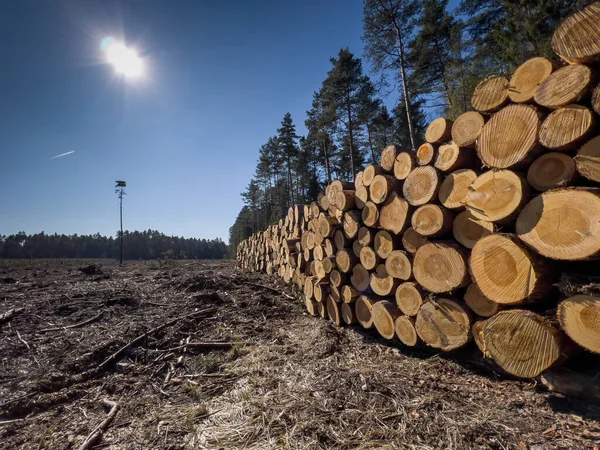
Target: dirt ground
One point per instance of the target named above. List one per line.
(281, 379)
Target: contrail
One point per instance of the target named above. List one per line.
(63, 154)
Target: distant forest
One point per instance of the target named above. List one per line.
(137, 245)
(428, 59)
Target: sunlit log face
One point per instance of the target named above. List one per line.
(125, 60)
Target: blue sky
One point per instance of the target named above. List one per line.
(220, 75)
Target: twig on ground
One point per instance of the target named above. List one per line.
(75, 325)
(8, 422)
(141, 337)
(204, 345)
(23, 340)
(269, 288)
(100, 429)
(8, 315)
(22, 397)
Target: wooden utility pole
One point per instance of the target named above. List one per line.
(119, 189)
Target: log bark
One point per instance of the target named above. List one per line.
(491, 94)
(404, 164)
(412, 241)
(394, 214)
(507, 273)
(421, 186)
(552, 170)
(454, 188)
(569, 84)
(588, 159)
(409, 298)
(579, 317)
(389, 155)
(596, 99)
(441, 267)
(405, 331)
(432, 221)
(577, 38)
(381, 187)
(468, 229)
(567, 127)
(384, 314)
(425, 154)
(334, 312)
(385, 243)
(370, 173)
(368, 258)
(382, 283)
(439, 131)
(362, 308)
(509, 139)
(370, 214)
(562, 224)
(479, 303)
(523, 343)
(360, 278)
(348, 313)
(527, 78)
(444, 324)
(497, 196)
(467, 128)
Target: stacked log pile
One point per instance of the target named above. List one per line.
(466, 238)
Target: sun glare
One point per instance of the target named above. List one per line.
(125, 60)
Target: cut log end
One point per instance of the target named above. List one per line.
(394, 214)
(588, 159)
(527, 78)
(438, 131)
(370, 214)
(412, 241)
(551, 170)
(360, 278)
(348, 314)
(398, 265)
(491, 94)
(432, 221)
(579, 317)
(362, 308)
(567, 127)
(334, 311)
(479, 303)
(388, 157)
(443, 323)
(577, 39)
(425, 154)
(567, 85)
(384, 315)
(405, 331)
(440, 267)
(409, 298)
(468, 229)
(421, 186)
(467, 128)
(405, 162)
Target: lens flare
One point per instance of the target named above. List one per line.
(124, 59)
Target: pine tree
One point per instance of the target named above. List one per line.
(320, 124)
(288, 147)
(388, 29)
(400, 128)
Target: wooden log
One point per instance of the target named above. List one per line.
(359, 180)
(334, 312)
(368, 258)
(329, 247)
(385, 242)
(569, 84)
(523, 343)
(321, 291)
(348, 314)
(326, 225)
(356, 248)
(454, 188)
(451, 157)
(596, 99)
(366, 236)
(425, 154)
(579, 317)
(404, 164)
(411, 240)
(468, 229)
(360, 278)
(567, 127)
(563, 224)
(552, 170)
(348, 294)
(405, 331)
(394, 214)
(432, 221)
(337, 278)
(318, 252)
(409, 298)
(323, 201)
(467, 128)
(345, 260)
(311, 306)
(351, 223)
(370, 173)
(507, 273)
(361, 196)
(388, 157)
(381, 187)
(479, 303)
(477, 332)
(509, 139)
(345, 200)
(309, 286)
(362, 308)
(441, 267)
(421, 186)
(577, 38)
(398, 265)
(444, 324)
(340, 239)
(491, 94)
(370, 214)
(439, 131)
(497, 196)
(335, 293)
(382, 283)
(384, 314)
(315, 209)
(527, 78)
(588, 159)
(322, 310)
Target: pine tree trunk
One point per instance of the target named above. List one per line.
(409, 119)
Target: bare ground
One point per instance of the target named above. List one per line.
(283, 380)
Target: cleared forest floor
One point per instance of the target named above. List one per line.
(283, 380)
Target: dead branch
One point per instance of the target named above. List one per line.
(8, 315)
(8, 422)
(23, 340)
(96, 434)
(204, 345)
(141, 337)
(75, 325)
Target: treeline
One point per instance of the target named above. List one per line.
(137, 245)
(429, 59)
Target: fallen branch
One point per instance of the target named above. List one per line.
(8, 422)
(96, 434)
(75, 325)
(269, 288)
(8, 315)
(23, 340)
(141, 337)
(204, 345)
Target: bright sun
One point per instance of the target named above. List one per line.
(124, 59)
